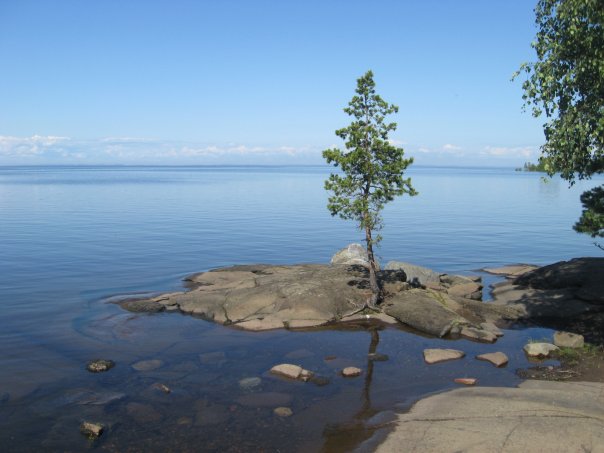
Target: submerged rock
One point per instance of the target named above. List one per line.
(473, 333)
(91, 430)
(249, 383)
(100, 365)
(283, 411)
(147, 365)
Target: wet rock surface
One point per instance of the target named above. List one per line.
(432, 356)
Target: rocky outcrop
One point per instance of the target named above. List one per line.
(567, 295)
(537, 416)
(262, 297)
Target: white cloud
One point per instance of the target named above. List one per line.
(450, 147)
(525, 152)
(136, 150)
(11, 146)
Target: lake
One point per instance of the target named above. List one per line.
(72, 239)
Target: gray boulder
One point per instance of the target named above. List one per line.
(351, 254)
(416, 275)
(426, 311)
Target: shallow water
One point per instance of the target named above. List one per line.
(71, 238)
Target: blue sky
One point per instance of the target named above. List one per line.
(259, 82)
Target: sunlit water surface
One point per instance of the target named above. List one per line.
(72, 238)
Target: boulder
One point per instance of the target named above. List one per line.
(432, 356)
(471, 290)
(416, 275)
(539, 349)
(351, 254)
(568, 340)
(498, 359)
(351, 371)
(427, 311)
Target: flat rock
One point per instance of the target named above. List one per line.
(442, 355)
(416, 275)
(568, 340)
(539, 349)
(473, 333)
(498, 359)
(539, 416)
(351, 371)
(492, 328)
(466, 381)
(283, 411)
(147, 365)
(287, 370)
(426, 311)
(469, 290)
(514, 270)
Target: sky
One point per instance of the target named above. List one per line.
(260, 82)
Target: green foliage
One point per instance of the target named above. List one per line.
(567, 85)
(538, 167)
(372, 168)
(592, 219)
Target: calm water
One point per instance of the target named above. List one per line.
(71, 238)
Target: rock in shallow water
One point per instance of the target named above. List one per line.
(466, 381)
(91, 430)
(147, 365)
(432, 356)
(539, 349)
(287, 370)
(498, 359)
(100, 365)
(249, 383)
(351, 371)
(283, 411)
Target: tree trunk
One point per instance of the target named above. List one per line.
(373, 281)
